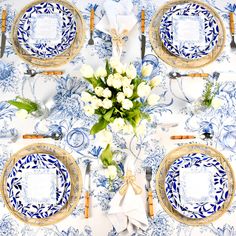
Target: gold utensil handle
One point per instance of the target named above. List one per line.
(182, 137)
(4, 20)
(32, 136)
(198, 75)
(92, 20)
(52, 72)
(87, 202)
(142, 21)
(231, 21)
(150, 204)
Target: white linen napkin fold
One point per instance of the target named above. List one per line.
(119, 17)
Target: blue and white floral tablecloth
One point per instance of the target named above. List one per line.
(69, 118)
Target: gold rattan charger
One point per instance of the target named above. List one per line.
(60, 59)
(162, 172)
(173, 60)
(75, 176)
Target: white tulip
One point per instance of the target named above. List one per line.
(128, 91)
(101, 72)
(153, 99)
(116, 83)
(86, 71)
(107, 103)
(216, 102)
(99, 90)
(111, 172)
(96, 102)
(147, 70)
(119, 68)
(143, 90)
(120, 97)
(155, 81)
(118, 124)
(125, 81)
(86, 97)
(89, 110)
(131, 71)
(106, 93)
(109, 80)
(114, 62)
(22, 114)
(127, 104)
(104, 137)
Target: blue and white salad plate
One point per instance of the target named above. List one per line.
(189, 18)
(46, 30)
(210, 180)
(38, 185)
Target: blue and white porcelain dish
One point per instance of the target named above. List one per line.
(46, 165)
(215, 195)
(200, 20)
(46, 30)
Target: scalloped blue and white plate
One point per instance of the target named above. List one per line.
(189, 31)
(38, 185)
(210, 180)
(46, 30)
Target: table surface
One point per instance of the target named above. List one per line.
(63, 95)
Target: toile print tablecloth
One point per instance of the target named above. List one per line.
(67, 116)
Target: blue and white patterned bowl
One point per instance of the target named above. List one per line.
(15, 185)
(219, 182)
(44, 45)
(188, 49)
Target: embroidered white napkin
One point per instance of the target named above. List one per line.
(120, 17)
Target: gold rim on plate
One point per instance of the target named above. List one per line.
(171, 59)
(75, 178)
(60, 59)
(164, 168)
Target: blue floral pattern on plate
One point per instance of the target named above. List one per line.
(187, 49)
(220, 182)
(14, 185)
(46, 46)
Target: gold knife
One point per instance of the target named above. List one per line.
(143, 37)
(87, 191)
(3, 41)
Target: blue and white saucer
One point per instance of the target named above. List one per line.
(189, 31)
(196, 185)
(46, 30)
(38, 185)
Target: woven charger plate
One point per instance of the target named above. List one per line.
(164, 168)
(71, 166)
(178, 62)
(60, 59)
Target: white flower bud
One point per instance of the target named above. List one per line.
(99, 90)
(128, 91)
(106, 93)
(101, 72)
(147, 70)
(86, 71)
(120, 97)
(155, 81)
(127, 104)
(131, 71)
(86, 97)
(107, 103)
(89, 110)
(143, 90)
(153, 99)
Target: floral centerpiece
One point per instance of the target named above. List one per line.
(117, 97)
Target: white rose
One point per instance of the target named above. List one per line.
(86, 71)
(89, 110)
(96, 102)
(125, 81)
(99, 90)
(106, 93)
(155, 81)
(22, 114)
(128, 91)
(131, 71)
(216, 102)
(116, 83)
(143, 90)
(110, 80)
(118, 124)
(107, 103)
(101, 72)
(85, 96)
(140, 130)
(153, 99)
(146, 70)
(114, 62)
(127, 104)
(111, 172)
(104, 137)
(120, 97)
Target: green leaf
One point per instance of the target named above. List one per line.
(106, 156)
(100, 125)
(29, 107)
(108, 115)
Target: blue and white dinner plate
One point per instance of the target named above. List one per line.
(194, 48)
(44, 164)
(46, 29)
(217, 193)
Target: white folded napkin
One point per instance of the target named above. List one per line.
(127, 213)
(117, 22)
